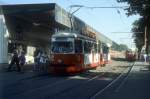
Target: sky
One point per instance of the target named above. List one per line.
(106, 21)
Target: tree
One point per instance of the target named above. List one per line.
(141, 7)
(138, 25)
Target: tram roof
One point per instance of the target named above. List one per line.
(72, 35)
(65, 34)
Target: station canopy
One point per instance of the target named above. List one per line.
(35, 23)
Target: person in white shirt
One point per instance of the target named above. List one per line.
(43, 60)
(145, 57)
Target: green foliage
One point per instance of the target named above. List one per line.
(138, 25)
(141, 7)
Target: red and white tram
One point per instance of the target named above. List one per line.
(130, 55)
(72, 53)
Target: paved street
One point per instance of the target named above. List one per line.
(135, 86)
(114, 81)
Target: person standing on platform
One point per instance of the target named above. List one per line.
(22, 59)
(43, 60)
(37, 55)
(148, 58)
(14, 60)
(145, 57)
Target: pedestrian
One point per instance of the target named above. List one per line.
(37, 55)
(47, 62)
(43, 61)
(145, 57)
(14, 60)
(149, 58)
(35, 60)
(22, 59)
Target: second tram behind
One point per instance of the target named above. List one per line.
(130, 56)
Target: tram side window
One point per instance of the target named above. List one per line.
(85, 47)
(99, 47)
(78, 46)
(105, 49)
(95, 48)
(88, 47)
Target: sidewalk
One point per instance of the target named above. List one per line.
(27, 67)
(26, 72)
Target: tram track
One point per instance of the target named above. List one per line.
(51, 86)
(125, 78)
(74, 92)
(123, 74)
(78, 85)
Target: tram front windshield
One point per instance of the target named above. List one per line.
(62, 47)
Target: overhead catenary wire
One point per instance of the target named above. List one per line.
(106, 7)
(119, 13)
(96, 7)
(128, 32)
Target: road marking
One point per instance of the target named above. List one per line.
(125, 79)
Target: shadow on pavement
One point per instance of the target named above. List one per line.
(119, 59)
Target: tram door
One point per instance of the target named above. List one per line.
(79, 51)
(78, 47)
(99, 51)
(106, 53)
